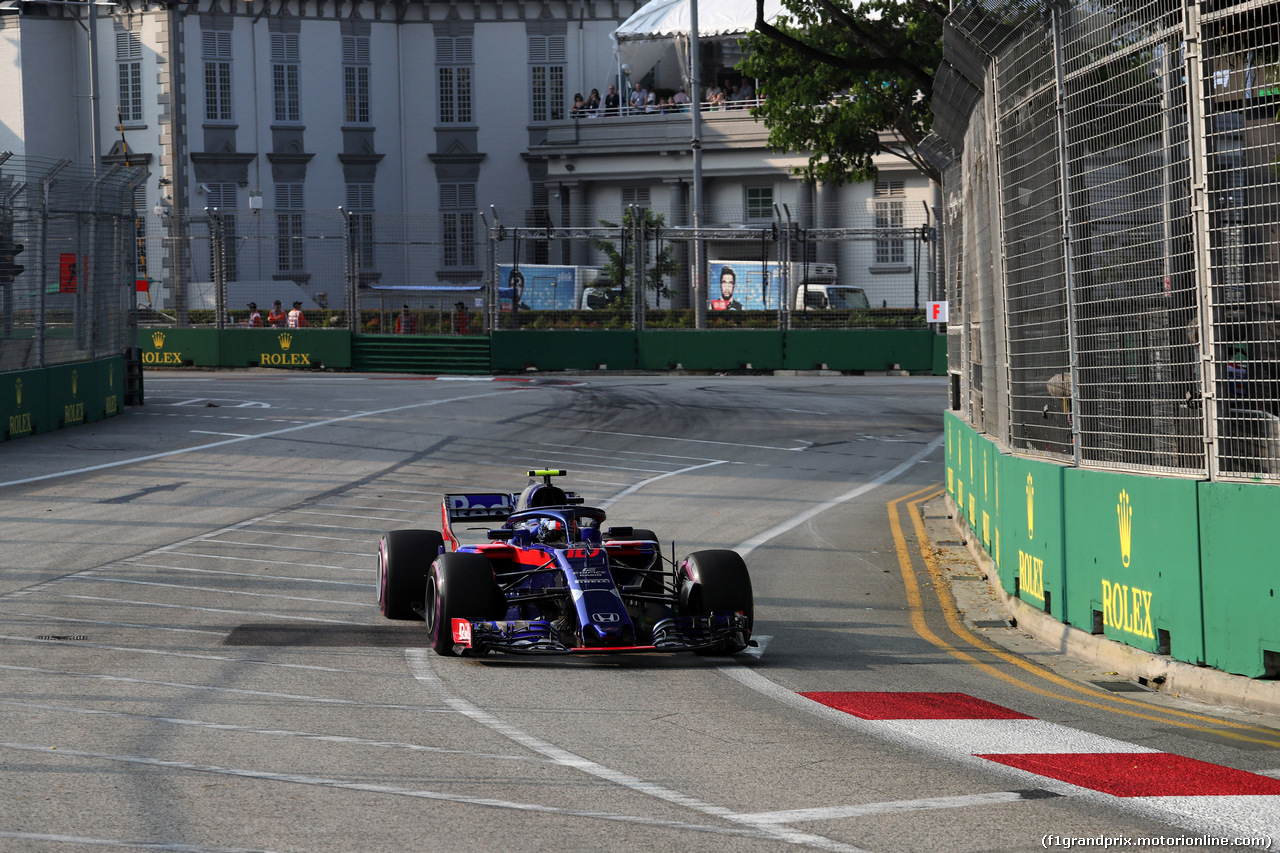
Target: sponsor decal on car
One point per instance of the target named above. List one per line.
(462, 632)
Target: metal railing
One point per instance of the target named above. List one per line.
(66, 271)
(1117, 193)
(205, 269)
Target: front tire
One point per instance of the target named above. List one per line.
(459, 586)
(717, 581)
(404, 558)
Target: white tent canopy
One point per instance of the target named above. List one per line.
(661, 25)
(663, 20)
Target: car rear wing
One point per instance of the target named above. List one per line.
(482, 507)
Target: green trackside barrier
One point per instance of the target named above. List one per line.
(1031, 534)
(567, 349)
(1133, 551)
(84, 392)
(940, 354)
(179, 347)
(863, 349)
(971, 477)
(663, 349)
(303, 348)
(1238, 544)
(24, 403)
(238, 347)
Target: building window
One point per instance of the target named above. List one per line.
(217, 76)
(284, 77)
(360, 222)
(888, 207)
(635, 196)
(453, 60)
(458, 204)
(222, 198)
(355, 78)
(129, 68)
(759, 203)
(546, 72)
(289, 239)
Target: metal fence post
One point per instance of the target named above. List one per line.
(1060, 106)
(1199, 157)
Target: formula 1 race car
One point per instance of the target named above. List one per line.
(550, 578)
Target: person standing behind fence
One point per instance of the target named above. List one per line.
(612, 103)
(276, 317)
(406, 323)
(462, 319)
(254, 320)
(297, 319)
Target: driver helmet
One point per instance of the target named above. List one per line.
(550, 530)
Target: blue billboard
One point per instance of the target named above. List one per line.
(743, 285)
(538, 288)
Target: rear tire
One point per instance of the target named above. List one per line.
(715, 582)
(459, 586)
(404, 558)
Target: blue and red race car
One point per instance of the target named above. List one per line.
(551, 578)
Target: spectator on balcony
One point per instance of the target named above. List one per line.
(713, 91)
(611, 102)
(650, 102)
(593, 103)
(716, 101)
(681, 100)
(636, 101)
(579, 108)
(746, 92)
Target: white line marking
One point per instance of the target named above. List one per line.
(176, 846)
(38, 617)
(259, 613)
(228, 727)
(361, 584)
(635, 487)
(898, 807)
(756, 541)
(229, 434)
(211, 689)
(690, 440)
(269, 434)
(420, 666)
(189, 587)
(388, 789)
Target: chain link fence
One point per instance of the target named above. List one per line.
(66, 275)
(470, 272)
(1114, 277)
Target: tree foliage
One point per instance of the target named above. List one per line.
(619, 271)
(847, 81)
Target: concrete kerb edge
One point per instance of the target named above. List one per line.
(1161, 673)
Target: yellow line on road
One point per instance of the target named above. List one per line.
(1101, 701)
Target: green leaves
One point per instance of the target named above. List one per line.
(848, 82)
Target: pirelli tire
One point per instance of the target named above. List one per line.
(404, 558)
(459, 586)
(717, 581)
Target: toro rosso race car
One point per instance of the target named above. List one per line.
(551, 578)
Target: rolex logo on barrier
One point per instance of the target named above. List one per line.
(157, 338)
(1125, 514)
(286, 340)
(1031, 508)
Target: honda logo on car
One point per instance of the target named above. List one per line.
(605, 617)
(462, 632)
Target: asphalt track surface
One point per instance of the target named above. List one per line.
(192, 659)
